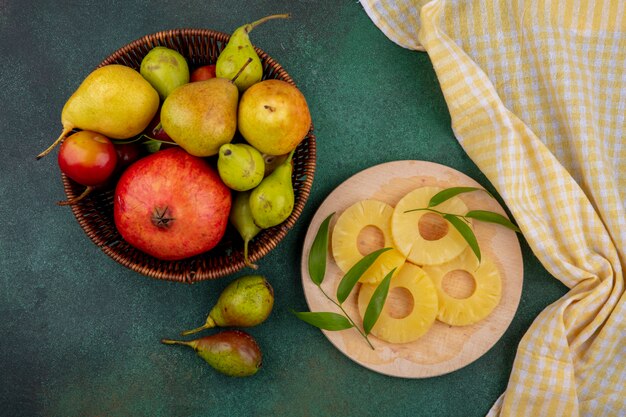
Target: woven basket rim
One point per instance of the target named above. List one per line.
(188, 271)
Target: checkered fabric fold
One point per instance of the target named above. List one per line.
(537, 96)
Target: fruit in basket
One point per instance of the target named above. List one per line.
(271, 202)
(165, 69)
(201, 116)
(114, 100)
(89, 159)
(238, 51)
(241, 219)
(245, 302)
(202, 73)
(240, 166)
(273, 117)
(272, 162)
(127, 153)
(171, 205)
(231, 352)
(155, 129)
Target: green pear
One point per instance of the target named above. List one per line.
(231, 352)
(241, 218)
(201, 116)
(271, 202)
(114, 100)
(238, 50)
(241, 167)
(245, 302)
(165, 69)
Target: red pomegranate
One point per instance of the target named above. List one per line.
(171, 205)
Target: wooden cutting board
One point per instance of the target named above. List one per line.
(443, 348)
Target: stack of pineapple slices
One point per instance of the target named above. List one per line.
(421, 262)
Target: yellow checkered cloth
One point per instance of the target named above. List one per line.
(537, 95)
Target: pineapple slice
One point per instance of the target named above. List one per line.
(405, 229)
(419, 319)
(380, 268)
(486, 295)
(345, 239)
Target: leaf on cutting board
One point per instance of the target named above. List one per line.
(317, 254)
(352, 276)
(375, 306)
(491, 217)
(448, 193)
(324, 320)
(465, 231)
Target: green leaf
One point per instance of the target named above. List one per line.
(465, 231)
(352, 276)
(491, 217)
(152, 145)
(324, 320)
(375, 306)
(317, 254)
(448, 193)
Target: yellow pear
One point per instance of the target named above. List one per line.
(201, 116)
(273, 117)
(114, 100)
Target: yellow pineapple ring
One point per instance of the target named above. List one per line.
(420, 318)
(345, 239)
(486, 295)
(406, 232)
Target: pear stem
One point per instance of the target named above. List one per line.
(290, 157)
(64, 133)
(75, 200)
(262, 20)
(243, 67)
(174, 342)
(245, 256)
(209, 324)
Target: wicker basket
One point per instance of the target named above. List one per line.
(95, 213)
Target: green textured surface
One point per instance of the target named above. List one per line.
(80, 333)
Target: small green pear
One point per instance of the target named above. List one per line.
(114, 100)
(245, 302)
(231, 352)
(238, 50)
(165, 69)
(241, 166)
(241, 218)
(272, 201)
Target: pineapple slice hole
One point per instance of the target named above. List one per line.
(480, 303)
(370, 238)
(400, 303)
(458, 284)
(432, 226)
